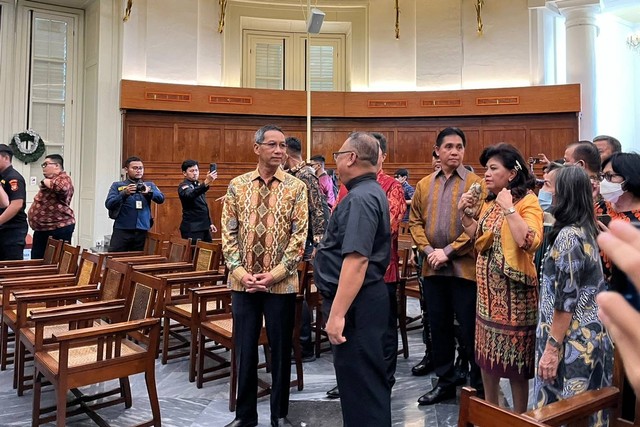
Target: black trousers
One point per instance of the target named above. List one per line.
(391, 335)
(279, 314)
(12, 242)
(361, 371)
(204, 235)
(127, 240)
(40, 238)
(446, 296)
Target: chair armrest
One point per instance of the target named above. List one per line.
(165, 266)
(39, 270)
(36, 279)
(143, 259)
(124, 254)
(87, 310)
(58, 282)
(576, 407)
(55, 294)
(209, 274)
(22, 263)
(98, 331)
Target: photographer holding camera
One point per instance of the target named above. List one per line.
(129, 204)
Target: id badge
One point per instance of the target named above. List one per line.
(138, 204)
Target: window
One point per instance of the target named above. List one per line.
(278, 61)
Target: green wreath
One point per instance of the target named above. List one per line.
(27, 146)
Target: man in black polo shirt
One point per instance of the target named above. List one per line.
(349, 269)
(13, 219)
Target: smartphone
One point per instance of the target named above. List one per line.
(213, 167)
(621, 283)
(605, 219)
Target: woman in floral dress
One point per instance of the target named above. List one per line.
(572, 346)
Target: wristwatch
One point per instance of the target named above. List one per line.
(510, 211)
(554, 342)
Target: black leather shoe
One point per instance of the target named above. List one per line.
(438, 394)
(334, 393)
(279, 422)
(242, 423)
(423, 368)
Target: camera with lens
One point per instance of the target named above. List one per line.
(533, 160)
(140, 187)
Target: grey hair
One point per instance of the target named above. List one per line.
(366, 147)
(259, 137)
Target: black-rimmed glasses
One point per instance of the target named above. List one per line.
(616, 178)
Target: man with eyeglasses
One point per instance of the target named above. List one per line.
(129, 204)
(50, 213)
(349, 271)
(585, 155)
(264, 229)
(13, 219)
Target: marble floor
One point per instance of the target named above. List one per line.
(182, 404)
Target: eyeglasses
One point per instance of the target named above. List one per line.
(273, 145)
(337, 153)
(45, 164)
(616, 178)
(136, 168)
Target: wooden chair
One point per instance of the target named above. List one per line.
(475, 411)
(183, 312)
(153, 245)
(96, 354)
(66, 269)
(51, 256)
(65, 260)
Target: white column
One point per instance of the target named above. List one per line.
(582, 31)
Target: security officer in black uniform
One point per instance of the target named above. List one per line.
(13, 219)
(349, 269)
(196, 221)
(129, 203)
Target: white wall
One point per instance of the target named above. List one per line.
(618, 90)
(177, 41)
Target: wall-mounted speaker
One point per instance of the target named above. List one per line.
(314, 23)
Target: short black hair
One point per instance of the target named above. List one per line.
(131, 159)
(382, 141)
(259, 136)
(402, 172)
(615, 145)
(512, 159)
(56, 158)
(448, 132)
(293, 145)
(5, 149)
(627, 165)
(189, 164)
(318, 158)
(588, 153)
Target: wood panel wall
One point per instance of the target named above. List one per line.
(164, 139)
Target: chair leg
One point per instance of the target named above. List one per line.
(201, 355)
(61, 405)
(193, 352)
(125, 391)
(166, 323)
(150, 379)
(35, 410)
(4, 344)
(18, 366)
(402, 323)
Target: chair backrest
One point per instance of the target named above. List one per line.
(115, 278)
(89, 269)
(179, 249)
(52, 251)
(153, 243)
(69, 259)
(207, 256)
(145, 299)
(304, 278)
